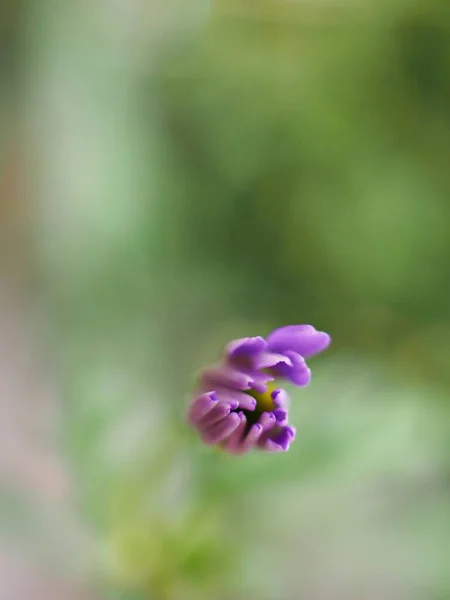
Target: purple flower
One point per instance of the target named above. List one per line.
(238, 406)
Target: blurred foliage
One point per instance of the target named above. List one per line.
(199, 176)
(316, 156)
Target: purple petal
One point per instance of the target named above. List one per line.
(264, 360)
(271, 446)
(278, 439)
(220, 431)
(297, 372)
(242, 400)
(267, 420)
(245, 347)
(233, 443)
(281, 416)
(300, 374)
(201, 406)
(284, 437)
(251, 439)
(302, 339)
(224, 376)
(215, 415)
(280, 398)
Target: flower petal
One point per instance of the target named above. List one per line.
(225, 376)
(220, 431)
(267, 420)
(252, 438)
(233, 443)
(245, 347)
(281, 416)
(215, 415)
(265, 360)
(244, 401)
(284, 437)
(280, 398)
(271, 446)
(201, 406)
(297, 371)
(302, 339)
(278, 439)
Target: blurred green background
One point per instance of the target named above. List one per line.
(174, 175)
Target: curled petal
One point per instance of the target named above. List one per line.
(251, 438)
(218, 432)
(245, 347)
(244, 401)
(281, 416)
(271, 446)
(301, 373)
(302, 339)
(215, 415)
(267, 420)
(265, 360)
(285, 437)
(297, 371)
(280, 398)
(278, 439)
(233, 443)
(201, 406)
(225, 376)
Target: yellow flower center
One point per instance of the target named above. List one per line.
(264, 400)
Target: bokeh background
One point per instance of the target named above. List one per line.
(176, 174)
